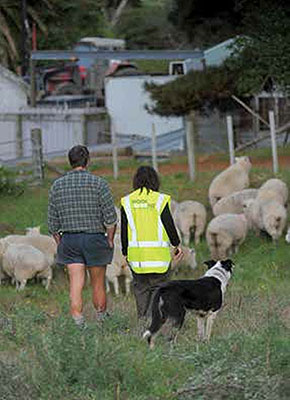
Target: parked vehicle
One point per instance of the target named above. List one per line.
(85, 75)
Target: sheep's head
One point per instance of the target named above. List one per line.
(3, 247)
(248, 210)
(244, 161)
(35, 230)
(275, 222)
(287, 237)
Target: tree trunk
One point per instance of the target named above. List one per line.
(117, 14)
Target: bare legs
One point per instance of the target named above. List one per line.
(77, 282)
(98, 275)
(76, 274)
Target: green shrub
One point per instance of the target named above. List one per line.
(8, 182)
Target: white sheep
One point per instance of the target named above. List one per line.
(173, 206)
(3, 276)
(188, 259)
(267, 211)
(44, 243)
(287, 237)
(118, 226)
(23, 262)
(225, 233)
(232, 179)
(266, 215)
(190, 216)
(117, 268)
(234, 203)
(274, 189)
(35, 230)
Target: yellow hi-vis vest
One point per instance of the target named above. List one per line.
(148, 243)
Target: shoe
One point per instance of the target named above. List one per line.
(102, 316)
(80, 323)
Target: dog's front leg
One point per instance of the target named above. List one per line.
(200, 327)
(209, 323)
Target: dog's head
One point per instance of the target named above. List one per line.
(228, 265)
(209, 263)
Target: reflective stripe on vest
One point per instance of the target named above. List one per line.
(160, 226)
(148, 244)
(130, 218)
(148, 264)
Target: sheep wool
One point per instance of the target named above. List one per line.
(190, 216)
(232, 179)
(23, 262)
(225, 233)
(234, 203)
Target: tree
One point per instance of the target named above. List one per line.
(206, 22)
(264, 53)
(59, 23)
(147, 27)
(10, 27)
(197, 91)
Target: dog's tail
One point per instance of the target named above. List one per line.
(157, 317)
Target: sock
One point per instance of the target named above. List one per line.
(79, 320)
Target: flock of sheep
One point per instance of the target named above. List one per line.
(236, 209)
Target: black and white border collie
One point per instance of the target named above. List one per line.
(203, 295)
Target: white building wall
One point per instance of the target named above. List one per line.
(125, 101)
(12, 95)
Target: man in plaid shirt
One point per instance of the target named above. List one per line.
(82, 219)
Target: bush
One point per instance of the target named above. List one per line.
(8, 183)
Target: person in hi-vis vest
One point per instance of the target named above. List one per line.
(147, 231)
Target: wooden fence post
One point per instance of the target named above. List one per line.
(189, 127)
(84, 120)
(114, 150)
(154, 155)
(37, 156)
(231, 139)
(273, 142)
(19, 137)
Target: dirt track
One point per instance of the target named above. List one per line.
(204, 163)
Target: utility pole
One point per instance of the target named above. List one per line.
(24, 37)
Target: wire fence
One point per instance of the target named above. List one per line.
(59, 130)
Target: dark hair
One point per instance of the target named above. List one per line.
(146, 177)
(78, 156)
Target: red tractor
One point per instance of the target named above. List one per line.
(85, 75)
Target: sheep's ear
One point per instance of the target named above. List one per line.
(247, 203)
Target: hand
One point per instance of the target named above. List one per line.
(111, 243)
(57, 238)
(178, 254)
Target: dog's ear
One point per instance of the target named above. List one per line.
(210, 263)
(228, 265)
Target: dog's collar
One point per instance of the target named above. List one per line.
(219, 273)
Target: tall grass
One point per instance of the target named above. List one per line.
(43, 356)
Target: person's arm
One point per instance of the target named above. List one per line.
(171, 231)
(108, 212)
(124, 232)
(169, 226)
(110, 235)
(53, 218)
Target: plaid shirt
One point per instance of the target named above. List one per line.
(80, 202)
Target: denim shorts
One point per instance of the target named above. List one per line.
(90, 249)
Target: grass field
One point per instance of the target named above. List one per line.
(43, 355)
